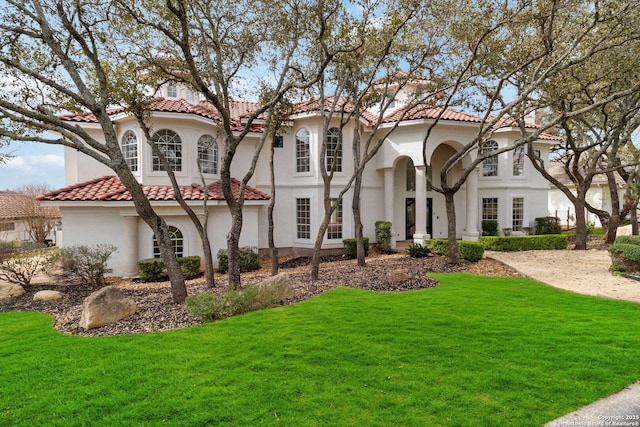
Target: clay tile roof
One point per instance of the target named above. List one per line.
(11, 208)
(110, 188)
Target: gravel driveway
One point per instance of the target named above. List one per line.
(583, 272)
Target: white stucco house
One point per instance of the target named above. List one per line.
(96, 208)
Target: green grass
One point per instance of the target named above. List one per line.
(472, 351)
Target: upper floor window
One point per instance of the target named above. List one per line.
(189, 95)
(490, 164)
(303, 153)
(410, 174)
(130, 150)
(334, 150)
(208, 154)
(169, 144)
(518, 161)
(172, 91)
(177, 242)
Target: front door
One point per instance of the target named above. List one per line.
(410, 217)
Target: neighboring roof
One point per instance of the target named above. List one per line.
(10, 209)
(110, 188)
(556, 169)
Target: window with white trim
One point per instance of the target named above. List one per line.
(129, 146)
(517, 213)
(518, 161)
(172, 91)
(334, 231)
(208, 154)
(490, 164)
(410, 174)
(177, 242)
(334, 150)
(169, 144)
(303, 218)
(303, 153)
(489, 208)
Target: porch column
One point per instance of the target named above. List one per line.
(421, 206)
(389, 204)
(471, 228)
(130, 263)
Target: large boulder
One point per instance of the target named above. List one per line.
(47, 295)
(105, 306)
(10, 291)
(281, 279)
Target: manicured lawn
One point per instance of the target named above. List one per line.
(473, 351)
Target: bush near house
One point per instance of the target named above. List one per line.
(20, 263)
(351, 247)
(416, 250)
(625, 254)
(383, 237)
(471, 251)
(152, 269)
(249, 260)
(548, 225)
(524, 243)
(85, 263)
(489, 227)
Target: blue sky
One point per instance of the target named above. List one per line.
(32, 164)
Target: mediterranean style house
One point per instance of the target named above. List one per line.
(96, 208)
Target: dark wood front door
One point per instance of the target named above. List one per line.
(410, 217)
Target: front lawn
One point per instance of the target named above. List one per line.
(472, 351)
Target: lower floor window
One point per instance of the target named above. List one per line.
(335, 224)
(490, 209)
(177, 242)
(518, 213)
(303, 218)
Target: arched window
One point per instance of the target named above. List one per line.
(130, 150)
(303, 153)
(170, 145)
(177, 241)
(208, 154)
(334, 150)
(490, 164)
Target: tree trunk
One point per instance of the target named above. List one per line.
(315, 259)
(581, 224)
(275, 263)
(633, 217)
(451, 226)
(233, 252)
(357, 219)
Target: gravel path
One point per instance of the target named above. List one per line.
(583, 272)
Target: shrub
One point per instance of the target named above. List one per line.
(19, 264)
(416, 250)
(85, 263)
(351, 247)
(524, 243)
(548, 225)
(632, 240)
(153, 270)
(207, 306)
(248, 258)
(383, 236)
(471, 251)
(625, 257)
(489, 227)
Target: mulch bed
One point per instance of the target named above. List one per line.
(157, 312)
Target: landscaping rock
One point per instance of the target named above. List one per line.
(400, 275)
(47, 295)
(105, 306)
(10, 291)
(282, 279)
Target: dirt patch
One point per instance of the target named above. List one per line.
(157, 312)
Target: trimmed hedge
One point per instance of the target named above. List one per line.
(625, 254)
(152, 269)
(489, 227)
(548, 225)
(471, 251)
(351, 247)
(248, 258)
(524, 243)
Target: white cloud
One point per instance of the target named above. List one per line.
(32, 169)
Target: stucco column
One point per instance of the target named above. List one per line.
(389, 205)
(471, 228)
(421, 206)
(130, 263)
